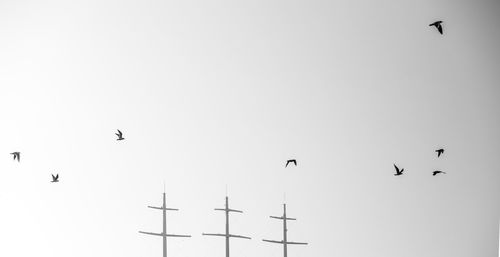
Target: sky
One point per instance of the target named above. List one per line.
(219, 94)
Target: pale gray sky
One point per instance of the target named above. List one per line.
(210, 93)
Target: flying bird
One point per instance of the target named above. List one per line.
(437, 24)
(55, 178)
(434, 173)
(439, 151)
(398, 172)
(17, 155)
(120, 135)
(291, 161)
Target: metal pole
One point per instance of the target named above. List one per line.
(284, 231)
(285, 241)
(227, 235)
(164, 226)
(227, 228)
(164, 234)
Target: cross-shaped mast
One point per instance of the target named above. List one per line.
(227, 235)
(164, 234)
(285, 241)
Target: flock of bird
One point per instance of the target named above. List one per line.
(17, 156)
(399, 172)
(55, 178)
(440, 151)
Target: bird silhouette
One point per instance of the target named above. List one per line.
(434, 173)
(291, 161)
(55, 178)
(120, 135)
(440, 151)
(398, 172)
(437, 24)
(17, 156)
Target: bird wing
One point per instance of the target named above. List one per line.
(287, 163)
(295, 162)
(396, 167)
(57, 176)
(53, 177)
(119, 132)
(440, 28)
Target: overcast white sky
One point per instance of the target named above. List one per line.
(210, 93)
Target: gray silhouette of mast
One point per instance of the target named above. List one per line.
(227, 235)
(164, 234)
(285, 241)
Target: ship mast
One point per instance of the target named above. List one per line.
(285, 241)
(227, 235)
(164, 234)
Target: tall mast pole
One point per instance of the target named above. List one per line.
(227, 235)
(285, 241)
(227, 228)
(164, 234)
(284, 230)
